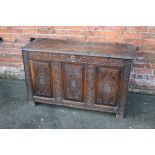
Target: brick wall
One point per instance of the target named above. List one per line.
(142, 77)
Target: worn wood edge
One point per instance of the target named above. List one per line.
(79, 105)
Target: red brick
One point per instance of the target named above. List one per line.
(149, 42)
(10, 29)
(114, 34)
(16, 36)
(68, 32)
(95, 28)
(113, 40)
(46, 30)
(148, 49)
(90, 33)
(3, 29)
(52, 36)
(5, 51)
(30, 31)
(25, 38)
(71, 27)
(150, 36)
(95, 39)
(16, 60)
(153, 66)
(134, 42)
(132, 35)
(143, 71)
(59, 32)
(13, 29)
(7, 37)
(18, 45)
(17, 65)
(72, 32)
(114, 28)
(137, 28)
(4, 59)
(152, 77)
(104, 39)
(28, 27)
(6, 45)
(151, 29)
(81, 39)
(141, 65)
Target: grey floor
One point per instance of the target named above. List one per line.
(15, 112)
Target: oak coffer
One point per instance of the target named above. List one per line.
(91, 76)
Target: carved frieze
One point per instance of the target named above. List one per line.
(76, 58)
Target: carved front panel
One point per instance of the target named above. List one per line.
(73, 82)
(107, 85)
(41, 77)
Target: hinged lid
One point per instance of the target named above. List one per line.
(110, 50)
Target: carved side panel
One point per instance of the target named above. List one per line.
(73, 82)
(107, 86)
(41, 75)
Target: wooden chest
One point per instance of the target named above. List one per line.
(91, 76)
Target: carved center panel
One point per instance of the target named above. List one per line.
(73, 82)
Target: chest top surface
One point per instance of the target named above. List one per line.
(109, 50)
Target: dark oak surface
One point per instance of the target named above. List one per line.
(112, 50)
(91, 76)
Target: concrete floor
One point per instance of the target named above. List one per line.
(15, 112)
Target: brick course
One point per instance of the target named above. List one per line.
(142, 77)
